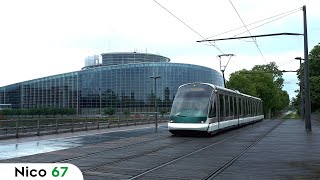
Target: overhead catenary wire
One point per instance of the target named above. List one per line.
(192, 29)
(210, 43)
(286, 62)
(297, 10)
(248, 31)
(255, 36)
(265, 19)
(273, 18)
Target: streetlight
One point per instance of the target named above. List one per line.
(155, 98)
(100, 102)
(301, 88)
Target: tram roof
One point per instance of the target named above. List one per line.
(219, 88)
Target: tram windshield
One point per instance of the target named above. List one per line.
(191, 101)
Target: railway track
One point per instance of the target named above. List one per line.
(176, 143)
(235, 158)
(128, 146)
(119, 148)
(216, 171)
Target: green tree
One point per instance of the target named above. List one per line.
(275, 72)
(284, 100)
(109, 111)
(315, 92)
(263, 81)
(314, 66)
(241, 81)
(163, 112)
(126, 112)
(314, 59)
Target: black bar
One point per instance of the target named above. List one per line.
(242, 37)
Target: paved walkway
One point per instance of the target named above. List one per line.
(288, 152)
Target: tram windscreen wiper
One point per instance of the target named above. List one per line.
(181, 115)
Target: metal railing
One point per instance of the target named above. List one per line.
(19, 127)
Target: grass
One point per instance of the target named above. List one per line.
(292, 115)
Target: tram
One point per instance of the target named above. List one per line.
(207, 108)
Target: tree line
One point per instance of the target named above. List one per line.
(265, 82)
(314, 72)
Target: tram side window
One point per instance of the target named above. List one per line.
(257, 109)
(254, 107)
(243, 108)
(250, 107)
(235, 106)
(213, 112)
(240, 107)
(244, 103)
(261, 108)
(246, 108)
(226, 98)
(221, 105)
(231, 106)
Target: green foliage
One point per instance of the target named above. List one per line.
(241, 81)
(314, 59)
(271, 68)
(284, 100)
(163, 112)
(315, 92)
(109, 111)
(263, 81)
(314, 72)
(126, 112)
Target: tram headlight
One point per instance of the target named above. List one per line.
(172, 121)
(202, 122)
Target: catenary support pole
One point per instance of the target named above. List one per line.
(306, 73)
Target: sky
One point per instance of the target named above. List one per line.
(41, 38)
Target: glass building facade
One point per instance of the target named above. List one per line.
(121, 82)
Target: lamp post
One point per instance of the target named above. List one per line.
(155, 99)
(301, 89)
(100, 102)
(78, 103)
